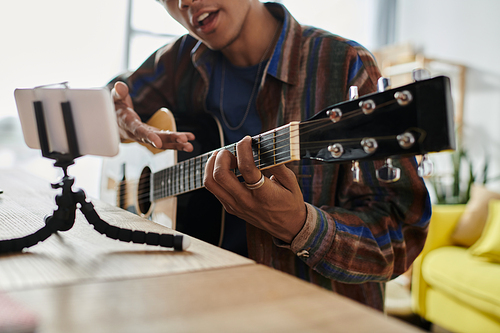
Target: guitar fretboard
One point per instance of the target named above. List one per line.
(278, 146)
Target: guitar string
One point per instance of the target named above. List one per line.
(180, 168)
(179, 187)
(304, 126)
(303, 131)
(142, 198)
(288, 135)
(197, 179)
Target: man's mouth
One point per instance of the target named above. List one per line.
(206, 18)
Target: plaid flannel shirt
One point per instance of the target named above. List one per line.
(357, 236)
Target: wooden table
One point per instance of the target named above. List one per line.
(81, 281)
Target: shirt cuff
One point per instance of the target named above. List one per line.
(315, 237)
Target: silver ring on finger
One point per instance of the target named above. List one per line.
(256, 185)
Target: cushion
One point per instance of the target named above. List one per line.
(488, 245)
(472, 221)
(454, 271)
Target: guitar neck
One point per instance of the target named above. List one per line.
(272, 148)
(409, 120)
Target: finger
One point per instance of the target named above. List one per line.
(213, 185)
(124, 107)
(172, 140)
(223, 171)
(285, 177)
(120, 91)
(179, 137)
(208, 180)
(246, 163)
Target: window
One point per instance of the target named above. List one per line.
(149, 27)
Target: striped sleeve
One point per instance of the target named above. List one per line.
(374, 232)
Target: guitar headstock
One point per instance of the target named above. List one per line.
(410, 120)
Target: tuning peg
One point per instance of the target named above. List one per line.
(356, 172)
(420, 74)
(367, 106)
(369, 145)
(334, 114)
(406, 140)
(353, 93)
(383, 84)
(388, 173)
(336, 150)
(425, 167)
(403, 97)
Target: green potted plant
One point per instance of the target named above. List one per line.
(455, 187)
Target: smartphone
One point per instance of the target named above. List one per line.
(93, 115)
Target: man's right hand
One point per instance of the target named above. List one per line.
(131, 127)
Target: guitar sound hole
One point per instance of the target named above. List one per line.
(143, 191)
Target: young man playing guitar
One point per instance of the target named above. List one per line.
(255, 68)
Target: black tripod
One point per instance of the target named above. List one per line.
(63, 218)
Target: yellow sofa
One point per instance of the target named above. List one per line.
(451, 287)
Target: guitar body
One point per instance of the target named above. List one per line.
(124, 177)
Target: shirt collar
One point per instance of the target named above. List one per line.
(284, 63)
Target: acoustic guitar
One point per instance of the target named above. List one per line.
(167, 186)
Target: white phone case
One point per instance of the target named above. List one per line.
(93, 115)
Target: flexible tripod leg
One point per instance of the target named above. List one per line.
(63, 219)
(178, 242)
(59, 221)
(18, 244)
